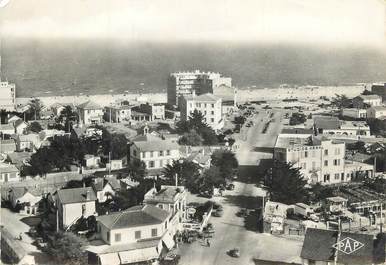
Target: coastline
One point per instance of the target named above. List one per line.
(243, 95)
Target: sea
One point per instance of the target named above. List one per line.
(95, 66)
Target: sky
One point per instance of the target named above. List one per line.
(305, 21)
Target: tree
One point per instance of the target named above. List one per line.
(367, 92)
(35, 127)
(191, 138)
(187, 172)
(196, 122)
(341, 101)
(67, 248)
(357, 146)
(35, 107)
(319, 192)
(239, 120)
(116, 144)
(68, 117)
(286, 184)
(297, 118)
(377, 126)
(226, 162)
(377, 184)
(137, 170)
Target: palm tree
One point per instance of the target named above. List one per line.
(68, 117)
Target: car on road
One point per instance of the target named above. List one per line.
(218, 213)
(230, 186)
(235, 253)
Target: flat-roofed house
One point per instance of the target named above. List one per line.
(133, 236)
(209, 105)
(320, 159)
(73, 204)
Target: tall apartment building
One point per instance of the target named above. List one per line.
(208, 104)
(183, 83)
(380, 90)
(319, 159)
(7, 96)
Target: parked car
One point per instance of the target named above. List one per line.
(218, 213)
(230, 186)
(235, 253)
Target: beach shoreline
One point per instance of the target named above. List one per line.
(243, 95)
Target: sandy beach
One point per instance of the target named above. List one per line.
(243, 95)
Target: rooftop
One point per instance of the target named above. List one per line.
(156, 145)
(208, 97)
(327, 123)
(379, 108)
(294, 140)
(133, 217)
(100, 183)
(6, 168)
(76, 195)
(336, 199)
(370, 97)
(7, 126)
(168, 194)
(89, 105)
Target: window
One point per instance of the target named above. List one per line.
(108, 236)
(151, 164)
(325, 163)
(168, 152)
(212, 105)
(212, 112)
(326, 152)
(336, 162)
(337, 151)
(161, 206)
(154, 232)
(211, 120)
(326, 177)
(144, 154)
(137, 234)
(118, 237)
(151, 154)
(161, 153)
(336, 176)
(305, 154)
(304, 166)
(83, 209)
(134, 152)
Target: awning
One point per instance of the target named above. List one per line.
(138, 255)
(109, 259)
(168, 240)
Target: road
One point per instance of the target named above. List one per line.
(233, 231)
(12, 222)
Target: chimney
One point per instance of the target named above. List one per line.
(88, 195)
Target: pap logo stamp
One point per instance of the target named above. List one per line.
(348, 245)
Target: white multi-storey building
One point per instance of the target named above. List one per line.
(319, 159)
(7, 96)
(90, 113)
(155, 152)
(183, 83)
(208, 104)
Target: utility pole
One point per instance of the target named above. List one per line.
(109, 163)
